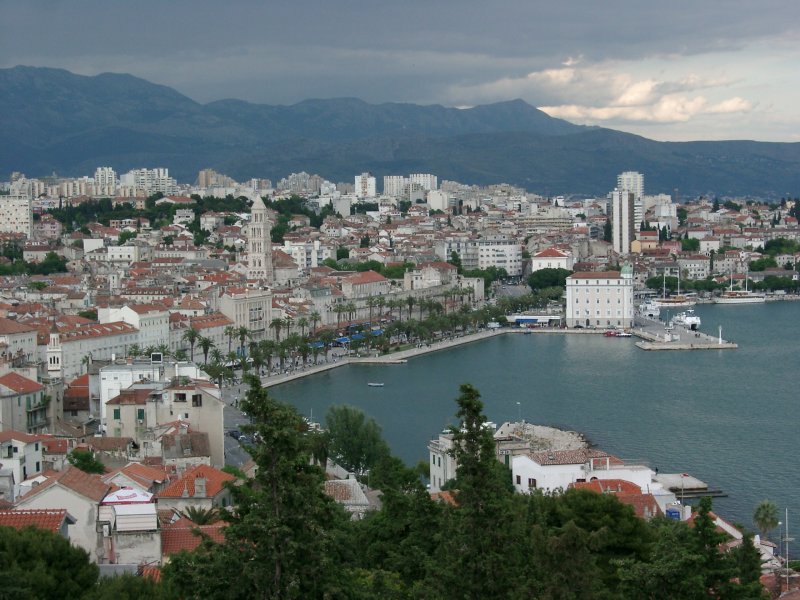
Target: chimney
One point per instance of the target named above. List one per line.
(199, 487)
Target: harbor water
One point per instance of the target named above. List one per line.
(728, 417)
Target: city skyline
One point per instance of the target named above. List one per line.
(689, 72)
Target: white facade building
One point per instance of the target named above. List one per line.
(600, 299)
(365, 186)
(551, 258)
(16, 215)
(105, 181)
(308, 253)
(438, 200)
(394, 185)
(632, 181)
(623, 220)
(151, 321)
(426, 181)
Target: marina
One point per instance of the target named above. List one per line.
(703, 413)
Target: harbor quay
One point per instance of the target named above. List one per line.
(658, 335)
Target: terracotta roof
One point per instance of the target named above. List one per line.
(49, 519)
(144, 475)
(86, 484)
(609, 486)
(185, 535)
(550, 253)
(20, 384)
(55, 446)
(18, 436)
(131, 396)
(9, 327)
(214, 480)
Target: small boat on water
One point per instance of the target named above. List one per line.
(616, 333)
(624, 334)
(375, 384)
(688, 319)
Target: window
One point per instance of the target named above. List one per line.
(440, 461)
(38, 468)
(433, 459)
(519, 479)
(36, 448)
(180, 397)
(197, 400)
(531, 483)
(116, 414)
(140, 414)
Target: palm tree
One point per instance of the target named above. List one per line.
(410, 300)
(181, 355)
(201, 516)
(191, 335)
(267, 350)
(339, 309)
(288, 321)
(372, 302)
(243, 333)
(315, 318)
(205, 344)
(302, 323)
(230, 331)
(765, 517)
(352, 310)
(277, 325)
(134, 350)
(216, 356)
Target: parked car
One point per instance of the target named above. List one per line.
(235, 434)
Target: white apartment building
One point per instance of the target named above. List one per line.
(118, 376)
(248, 308)
(66, 351)
(151, 321)
(21, 453)
(365, 186)
(623, 220)
(394, 185)
(632, 181)
(138, 409)
(600, 299)
(16, 215)
(105, 181)
(438, 200)
(499, 251)
(426, 181)
(308, 253)
(150, 181)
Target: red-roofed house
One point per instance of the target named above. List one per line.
(185, 535)
(80, 494)
(202, 487)
(644, 505)
(55, 520)
(21, 454)
(363, 285)
(22, 404)
(558, 469)
(76, 405)
(551, 258)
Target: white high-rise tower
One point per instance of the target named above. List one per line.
(259, 244)
(622, 220)
(633, 181)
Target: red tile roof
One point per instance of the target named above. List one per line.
(20, 384)
(185, 535)
(86, 484)
(48, 519)
(214, 482)
(595, 275)
(18, 436)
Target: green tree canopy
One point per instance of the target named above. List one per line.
(355, 441)
(545, 278)
(85, 461)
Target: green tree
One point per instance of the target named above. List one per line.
(125, 587)
(85, 461)
(455, 260)
(201, 516)
(281, 541)
(479, 534)
(682, 216)
(545, 278)
(690, 245)
(355, 441)
(40, 564)
(765, 517)
(206, 344)
(191, 336)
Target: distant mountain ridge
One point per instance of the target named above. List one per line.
(54, 120)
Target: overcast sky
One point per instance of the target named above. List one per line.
(676, 70)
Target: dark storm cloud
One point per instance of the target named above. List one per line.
(410, 50)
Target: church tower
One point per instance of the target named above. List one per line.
(259, 244)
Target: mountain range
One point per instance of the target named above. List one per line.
(56, 121)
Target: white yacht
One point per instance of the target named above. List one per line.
(688, 319)
(740, 296)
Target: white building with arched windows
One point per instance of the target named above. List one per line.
(600, 299)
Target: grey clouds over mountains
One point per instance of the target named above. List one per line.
(53, 120)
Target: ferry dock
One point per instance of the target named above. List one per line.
(657, 335)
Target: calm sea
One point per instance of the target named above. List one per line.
(728, 417)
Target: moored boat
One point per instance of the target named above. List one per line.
(375, 384)
(689, 319)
